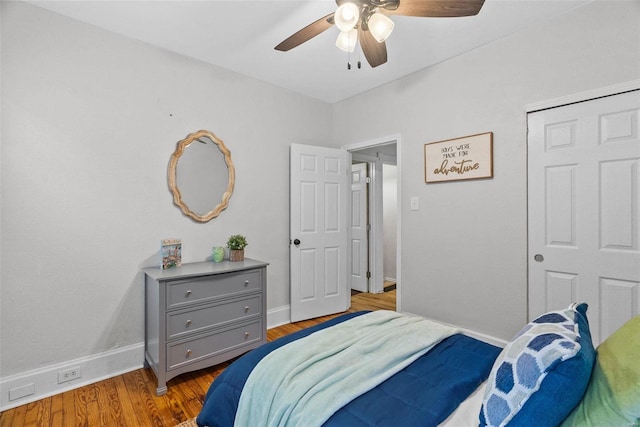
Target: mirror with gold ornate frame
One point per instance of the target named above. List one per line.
(201, 176)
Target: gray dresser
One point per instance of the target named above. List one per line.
(202, 314)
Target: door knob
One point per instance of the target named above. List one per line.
(296, 242)
(538, 257)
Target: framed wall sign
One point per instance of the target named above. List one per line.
(468, 157)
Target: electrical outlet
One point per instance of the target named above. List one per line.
(69, 374)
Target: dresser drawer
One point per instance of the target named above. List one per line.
(196, 349)
(184, 292)
(188, 321)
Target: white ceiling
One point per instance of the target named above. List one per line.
(240, 35)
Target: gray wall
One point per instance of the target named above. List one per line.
(90, 120)
(464, 254)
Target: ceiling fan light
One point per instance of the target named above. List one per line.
(347, 40)
(346, 16)
(380, 26)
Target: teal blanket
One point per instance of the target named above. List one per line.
(306, 381)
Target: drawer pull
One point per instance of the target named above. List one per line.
(246, 308)
(188, 353)
(188, 323)
(188, 293)
(246, 283)
(246, 335)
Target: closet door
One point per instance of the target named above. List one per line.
(584, 203)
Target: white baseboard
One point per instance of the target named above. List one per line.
(278, 316)
(27, 387)
(498, 342)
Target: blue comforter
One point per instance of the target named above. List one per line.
(424, 393)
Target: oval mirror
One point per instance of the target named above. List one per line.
(201, 176)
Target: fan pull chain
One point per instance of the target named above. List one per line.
(359, 63)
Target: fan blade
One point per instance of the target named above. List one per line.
(437, 8)
(308, 32)
(376, 53)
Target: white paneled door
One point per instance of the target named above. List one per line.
(319, 231)
(359, 228)
(584, 204)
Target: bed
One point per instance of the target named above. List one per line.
(384, 368)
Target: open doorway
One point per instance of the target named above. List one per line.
(374, 246)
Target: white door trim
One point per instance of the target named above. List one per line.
(361, 251)
(583, 96)
(372, 214)
(372, 143)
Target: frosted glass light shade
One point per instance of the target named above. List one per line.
(380, 26)
(347, 16)
(347, 40)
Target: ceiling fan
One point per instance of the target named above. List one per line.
(367, 21)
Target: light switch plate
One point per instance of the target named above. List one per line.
(415, 203)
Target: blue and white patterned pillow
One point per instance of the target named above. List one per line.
(535, 352)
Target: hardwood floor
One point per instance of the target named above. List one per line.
(129, 399)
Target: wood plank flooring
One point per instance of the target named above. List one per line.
(129, 399)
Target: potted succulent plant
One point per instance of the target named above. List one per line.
(236, 245)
